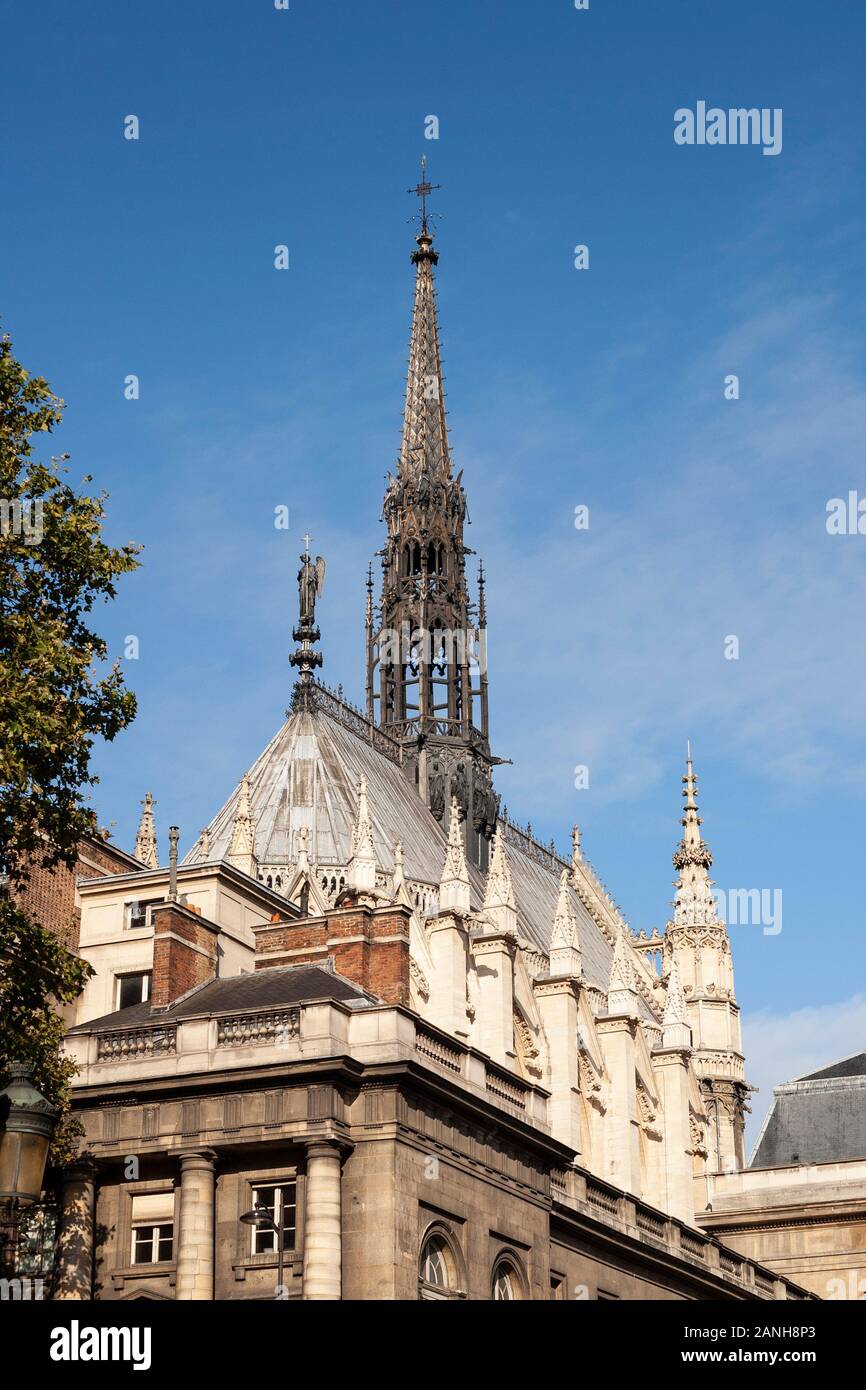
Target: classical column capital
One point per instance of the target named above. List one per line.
(82, 1169)
(197, 1158)
(321, 1147)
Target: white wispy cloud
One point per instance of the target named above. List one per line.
(780, 1047)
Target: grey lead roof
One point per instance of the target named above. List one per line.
(308, 776)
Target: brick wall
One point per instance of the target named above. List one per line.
(49, 896)
(184, 952)
(370, 946)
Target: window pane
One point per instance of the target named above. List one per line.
(278, 1201)
(129, 991)
(433, 1268)
(132, 989)
(151, 1243)
(142, 1245)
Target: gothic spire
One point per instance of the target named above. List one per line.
(454, 884)
(242, 846)
(425, 682)
(694, 904)
(621, 991)
(424, 447)
(564, 943)
(145, 841)
(362, 865)
(700, 972)
(500, 906)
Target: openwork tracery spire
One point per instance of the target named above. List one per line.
(426, 676)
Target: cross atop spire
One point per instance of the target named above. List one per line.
(423, 190)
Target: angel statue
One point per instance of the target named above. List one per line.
(311, 577)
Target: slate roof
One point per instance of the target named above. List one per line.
(272, 988)
(848, 1066)
(819, 1118)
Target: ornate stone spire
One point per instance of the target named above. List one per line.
(145, 841)
(362, 865)
(454, 885)
(424, 684)
(564, 943)
(697, 958)
(621, 992)
(242, 847)
(500, 906)
(694, 904)
(302, 888)
(424, 446)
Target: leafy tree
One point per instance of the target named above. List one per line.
(56, 698)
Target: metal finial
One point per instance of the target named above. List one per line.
(423, 190)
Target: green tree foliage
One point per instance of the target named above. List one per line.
(56, 697)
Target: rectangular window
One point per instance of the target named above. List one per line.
(152, 1227)
(152, 1244)
(133, 989)
(138, 912)
(280, 1202)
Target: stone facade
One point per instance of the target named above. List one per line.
(390, 1136)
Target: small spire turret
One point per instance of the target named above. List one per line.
(145, 841)
(242, 846)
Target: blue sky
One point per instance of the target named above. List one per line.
(601, 387)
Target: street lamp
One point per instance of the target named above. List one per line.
(261, 1218)
(28, 1121)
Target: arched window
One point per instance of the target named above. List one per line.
(508, 1283)
(438, 1271)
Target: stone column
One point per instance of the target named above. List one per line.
(74, 1277)
(195, 1250)
(323, 1235)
